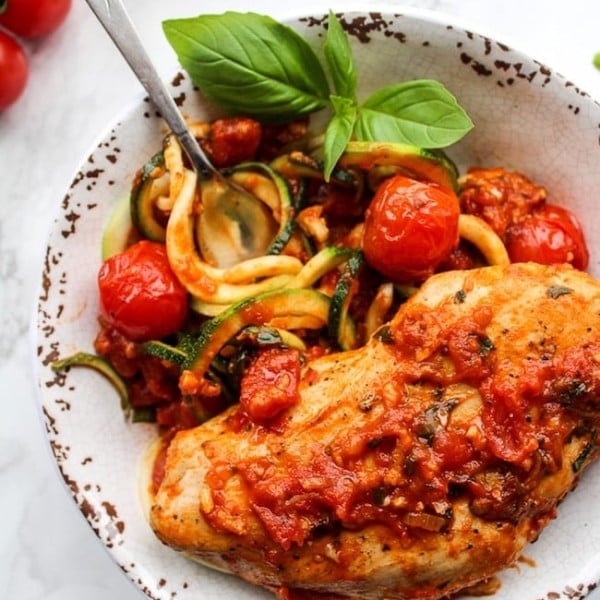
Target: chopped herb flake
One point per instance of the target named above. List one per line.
(384, 335)
(379, 496)
(575, 389)
(584, 454)
(460, 296)
(485, 346)
(556, 291)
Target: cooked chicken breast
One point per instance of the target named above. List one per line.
(413, 467)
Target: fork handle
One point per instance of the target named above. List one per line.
(117, 23)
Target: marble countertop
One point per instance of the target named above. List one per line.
(78, 83)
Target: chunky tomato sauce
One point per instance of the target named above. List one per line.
(406, 467)
(270, 385)
(502, 198)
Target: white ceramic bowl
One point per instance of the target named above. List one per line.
(527, 117)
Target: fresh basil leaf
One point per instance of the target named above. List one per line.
(250, 64)
(596, 60)
(421, 112)
(338, 55)
(3, 6)
(338, 132)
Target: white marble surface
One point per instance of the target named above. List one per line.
(77, 84)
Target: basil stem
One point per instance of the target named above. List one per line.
(338, 132)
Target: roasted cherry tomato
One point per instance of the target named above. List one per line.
(233, 140)
(14, 70)
(550, 235)
(139, 294)
(500, 197)
(410, 228)
(33, 18)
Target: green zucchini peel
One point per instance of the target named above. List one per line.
(212, 284)
(342, 330)
(258, 310)
(102, 366)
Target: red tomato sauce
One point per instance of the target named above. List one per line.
(404, 468)
(270, 385)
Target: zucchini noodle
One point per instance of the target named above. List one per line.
(210, 283)
(173, 156)
(484, 238)
(312, 290)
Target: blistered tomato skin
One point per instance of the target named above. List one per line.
(410, 228)
(139, 294)
(551, 235)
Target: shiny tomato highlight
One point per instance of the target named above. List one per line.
(139, 294)
(551, 235)
(410, 228)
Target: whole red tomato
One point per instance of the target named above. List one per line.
(139, 294)
(233, 140)
(33, 18)
(410, 228)
(14, 70)
(550, 235)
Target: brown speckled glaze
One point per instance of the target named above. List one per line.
(526, 117)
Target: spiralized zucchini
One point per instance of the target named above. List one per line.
(484, 238)
(305, 288)
(212, 284)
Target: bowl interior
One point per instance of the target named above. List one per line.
(527, 118)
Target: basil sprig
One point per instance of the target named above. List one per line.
(253, 65)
